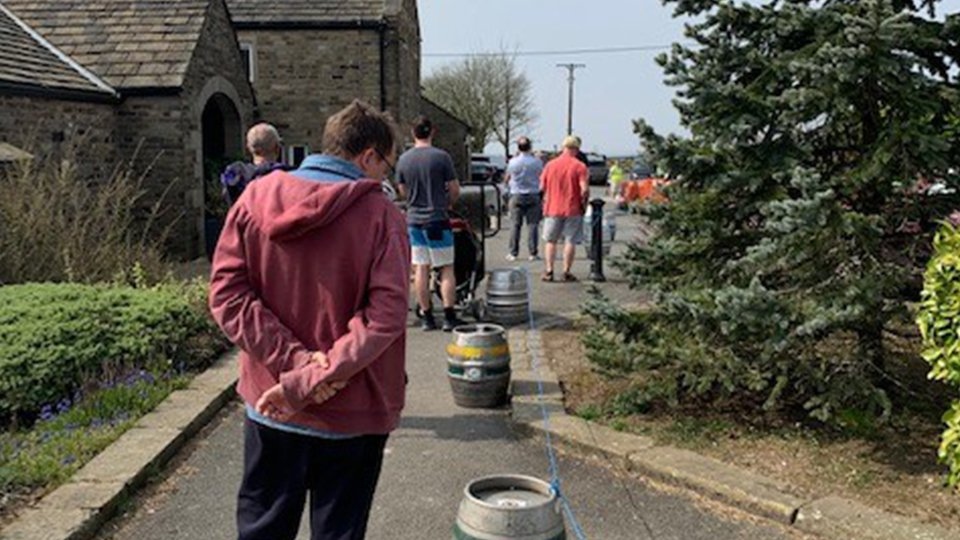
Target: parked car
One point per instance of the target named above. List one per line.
(597, 163)
(482, 172)
(640, 170)
(485, 169)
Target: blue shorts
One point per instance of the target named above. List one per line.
(431, 244)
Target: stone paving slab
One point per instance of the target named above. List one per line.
(730, 484)
(836, 517)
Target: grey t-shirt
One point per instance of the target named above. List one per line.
(425, 172)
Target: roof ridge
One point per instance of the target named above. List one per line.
(84, 72)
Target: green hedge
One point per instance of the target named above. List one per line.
(57, 339)
(939, 322)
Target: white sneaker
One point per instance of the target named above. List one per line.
(534, 257)
(511, 258)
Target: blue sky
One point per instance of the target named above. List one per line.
(610, 91)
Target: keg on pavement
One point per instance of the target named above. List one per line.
(507, 301)
(509, 507)
(478, 365)
(608, 226)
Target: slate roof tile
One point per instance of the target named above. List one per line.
(94, 32)
(304, 11)
(27, 60)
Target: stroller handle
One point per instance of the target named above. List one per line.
(488, 233)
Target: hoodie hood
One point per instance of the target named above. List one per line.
(286, 207)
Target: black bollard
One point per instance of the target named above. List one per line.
(596, 244)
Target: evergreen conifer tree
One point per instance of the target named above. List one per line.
(800, 209)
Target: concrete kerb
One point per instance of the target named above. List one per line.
(79, 508)
(830, 517)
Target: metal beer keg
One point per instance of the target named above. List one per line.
(478, 365)
(507, 301)
(509, 507)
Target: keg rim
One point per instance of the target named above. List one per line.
(479, 329)
(521, 481)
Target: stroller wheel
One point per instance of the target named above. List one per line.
(478, 308)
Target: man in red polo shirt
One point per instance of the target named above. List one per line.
(566, 188)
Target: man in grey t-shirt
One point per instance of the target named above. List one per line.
(427, 180)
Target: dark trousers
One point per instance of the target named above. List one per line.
(280, 469)
(524, 208)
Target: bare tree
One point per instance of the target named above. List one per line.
(488, 92)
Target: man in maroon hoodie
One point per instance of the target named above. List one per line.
(310, 280)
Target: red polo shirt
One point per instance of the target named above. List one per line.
(561, 183)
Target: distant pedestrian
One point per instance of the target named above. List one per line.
(263, 144)
(311, 281)
(565, 183)
(428, 181)
(523, 181)
(615, 178)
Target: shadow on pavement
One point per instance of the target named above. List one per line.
(459, 427)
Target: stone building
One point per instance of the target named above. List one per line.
(158, 83)
(309, 58)
(171, 85)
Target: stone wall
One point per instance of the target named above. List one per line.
(304, 76)
(60, 129)
(216, 69)
(150, 135)
(403, 73)
(164, 133)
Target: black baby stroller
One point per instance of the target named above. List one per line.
(469, 249)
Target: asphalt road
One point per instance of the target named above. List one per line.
(436, 452)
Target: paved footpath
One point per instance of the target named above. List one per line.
(437, 450)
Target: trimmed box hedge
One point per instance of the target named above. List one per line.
(58, 339)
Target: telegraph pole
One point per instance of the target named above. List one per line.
(571, 68)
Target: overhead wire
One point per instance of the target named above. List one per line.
(555, 52)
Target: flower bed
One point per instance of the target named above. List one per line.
(79, 364)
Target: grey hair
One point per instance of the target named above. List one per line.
(262, 138)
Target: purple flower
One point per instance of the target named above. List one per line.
(63, 406)
(46, 413)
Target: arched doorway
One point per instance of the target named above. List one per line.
(222, 144)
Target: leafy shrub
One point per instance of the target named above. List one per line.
(58, 226)
(939, 322)
(800, 211)
(56, 338)
(695, 353)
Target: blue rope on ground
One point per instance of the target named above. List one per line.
(554, 468)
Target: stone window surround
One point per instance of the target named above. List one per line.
(249, 50)
(290, 154)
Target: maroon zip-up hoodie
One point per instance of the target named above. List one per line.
(306, 266)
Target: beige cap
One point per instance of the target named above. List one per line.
(571, 141)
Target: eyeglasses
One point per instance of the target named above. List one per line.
(393, 171)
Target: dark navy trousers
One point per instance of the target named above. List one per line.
(280, 469)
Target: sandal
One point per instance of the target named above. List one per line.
(568, 277)
(547, 276)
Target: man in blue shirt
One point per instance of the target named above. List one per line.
(523, 184)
